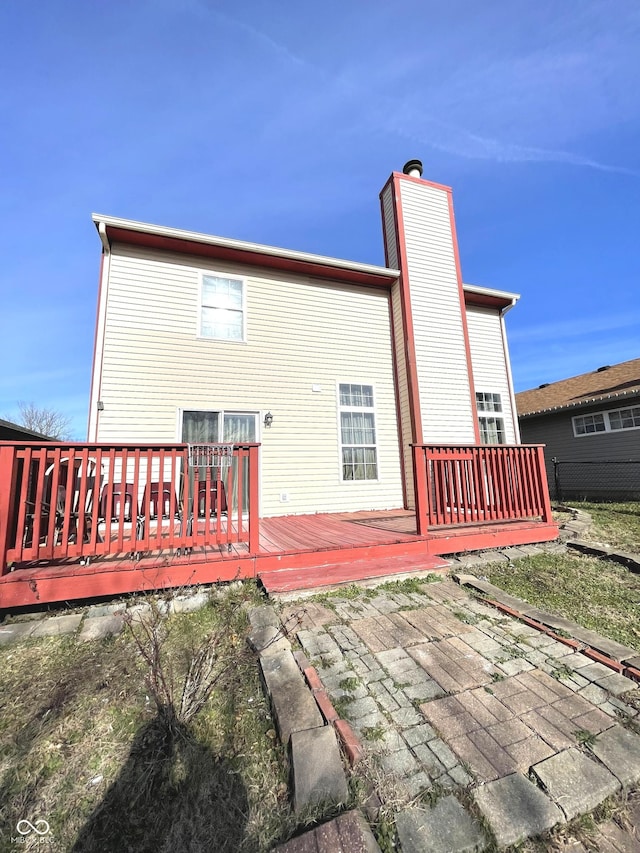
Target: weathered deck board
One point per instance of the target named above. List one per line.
(288, 580)
(319, 542)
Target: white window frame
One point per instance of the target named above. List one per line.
(484, 414)
(221, 411)
(370, 409)
(605, 414)
(217, 274)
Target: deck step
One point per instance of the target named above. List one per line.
(348, 553)
(279, 581)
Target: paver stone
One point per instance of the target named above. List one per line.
(516, 809)
(446, 828)
(619, 751)
(575, 782)
(97, 627)
(318, 775)
(294, 707)
(55, 626)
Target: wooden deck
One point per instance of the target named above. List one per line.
(295, 552)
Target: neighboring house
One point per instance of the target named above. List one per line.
(14, 432)
(337, 368)
(591, 427)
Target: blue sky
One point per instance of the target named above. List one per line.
(280, 122)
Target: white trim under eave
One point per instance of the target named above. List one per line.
(241, 245)
(96, 379)
(507, 361)
(489, 291)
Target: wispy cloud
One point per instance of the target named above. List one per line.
(259, 35)
(461, 142)
(491, 104)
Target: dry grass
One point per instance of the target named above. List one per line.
(599, 595)
(614, 524)
(84, 746)
(590, 830)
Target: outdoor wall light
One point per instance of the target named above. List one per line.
(268, 419)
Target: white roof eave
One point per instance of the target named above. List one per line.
(241, 245)
(489, 291)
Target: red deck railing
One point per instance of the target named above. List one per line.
(60, 501)
(471, 484)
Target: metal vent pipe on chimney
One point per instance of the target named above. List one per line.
(413, 168)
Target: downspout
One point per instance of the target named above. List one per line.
(507, 359)
(98, 349)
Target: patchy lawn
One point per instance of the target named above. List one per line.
(598, 595)
(614, 524)
(84, 746)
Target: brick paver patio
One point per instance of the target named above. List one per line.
(446, 690)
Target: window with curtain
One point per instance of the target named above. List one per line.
(200, 427)
(222, 308)
(358, 432)
(491, 425)
(222, 427)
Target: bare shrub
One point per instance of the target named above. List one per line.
(181, 698)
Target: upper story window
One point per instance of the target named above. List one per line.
(491, 425)
(612, 421)
(222, 308)
(358, 432)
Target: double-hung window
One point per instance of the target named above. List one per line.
(358, 432)
(491, 425)
(222, 308)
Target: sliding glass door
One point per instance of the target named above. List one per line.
(203, 427)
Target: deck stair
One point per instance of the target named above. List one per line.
(287, 580)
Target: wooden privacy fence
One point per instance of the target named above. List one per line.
(471, 484)
(60, 501)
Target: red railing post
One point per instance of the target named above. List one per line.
(421, 484)
(7, 493)
(544, 486)
(254, 500)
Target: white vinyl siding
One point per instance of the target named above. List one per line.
(388, 217)
(300, 334)
(396, 304)
(489, 361)
(441, 358)
(403, 394)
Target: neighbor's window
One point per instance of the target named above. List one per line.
(587, 424)
(625, 418)
(491, 426)
(222, 308)
(612, 421)
(358, 433)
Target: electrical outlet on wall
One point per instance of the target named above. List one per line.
(284, 497)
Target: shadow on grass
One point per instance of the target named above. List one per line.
(172, 794)
(19, 795)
